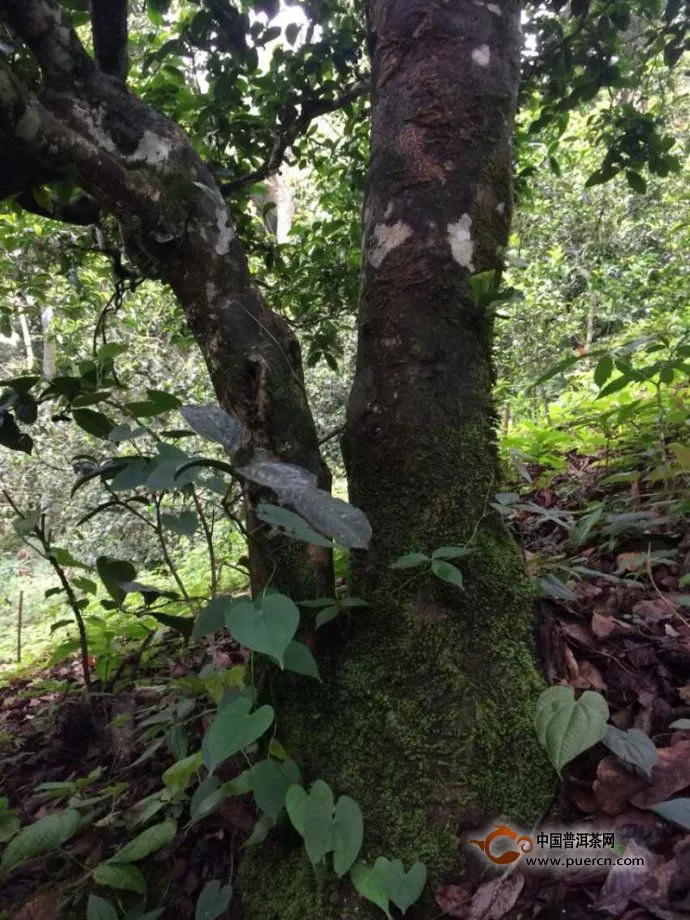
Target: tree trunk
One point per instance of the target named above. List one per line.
(141, 167)
(427, 721)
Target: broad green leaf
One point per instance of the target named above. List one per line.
(298, 658)
(185, 523)
(213, 901)
(278, 476)
(348, 834)
(603, 370)
(260, 831)
(410, 561)
(178, 776)
(270, 781)
(451, 552)
(632, 746)
(447, 572)
(566, 727)
(120, 875)
(266, 626)
(42, 836)
(332, 516)
(149, 841)
(205, 789)
(212, 617)
(404, 888)
(680, 723)
(234, 728)
(93, 422)
(372, 883)
(100, 909)
(291, 524)
(326, 615)
(296, 801)
(9, 826)
(112, 572)
(134, 473)
(677, 811)
(214, 424)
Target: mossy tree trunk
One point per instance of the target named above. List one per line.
(426, 719)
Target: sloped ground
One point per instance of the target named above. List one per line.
(612, 553)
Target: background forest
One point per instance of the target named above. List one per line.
(123, 534)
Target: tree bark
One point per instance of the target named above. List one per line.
(141, 167)
(427, 717)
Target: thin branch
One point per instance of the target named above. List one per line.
(48, 32)
(310, 109)
(109, 28)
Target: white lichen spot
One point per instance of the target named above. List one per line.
(500, 208)
(386, 238)
(152, 149)
(389, 211)
(494, 8)
(28, 125)
(226, 233)
(481, 55)
(460, 240)
(211, 293)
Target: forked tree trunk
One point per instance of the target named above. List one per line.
(427, 718)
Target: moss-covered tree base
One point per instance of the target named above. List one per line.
(428, 724)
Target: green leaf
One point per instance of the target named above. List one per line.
(260, 831)
(348, 834)
(12, 436)
(447, 572)
(451, 552)
(164, 400)
(178, 776)
(123, 876)
(296, 801)
(566, 727)
(326, 615)
(632, 746)
(100, 909)
(681, 723)
(372, 883)
(270, 781)
(267, 626)
(212, 617)
(112, 572)
(410, 561)
(185, 523)
(234, 728)
(42, 836)
(149, 841)
(93, 422)
(133, 474)
(298, 658)
(214, 424)
(9, 826)
(636, 182)
(213, 901)
(291, 524)
(403, 888)
(603, 370)
(677, 811)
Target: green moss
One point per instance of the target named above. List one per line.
(426, 718)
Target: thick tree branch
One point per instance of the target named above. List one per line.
(82, 211)
(109, 28)
(48, 32)
(310, 110)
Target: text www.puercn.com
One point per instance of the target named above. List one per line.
(569, 862)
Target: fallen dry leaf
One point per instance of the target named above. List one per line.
(670, 774)
(615, 786)
(623, 881)
(494, 899)
(454, 900)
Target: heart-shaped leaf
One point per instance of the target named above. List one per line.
(566, 727)
(267, 626)
(212, 617)
(178, 777)
(234, 728)
(632, 746)
(372, 883)
(270, 781)
(298, 658)
(213, 901)
(404, 888)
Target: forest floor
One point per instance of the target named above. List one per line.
(612, 554)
